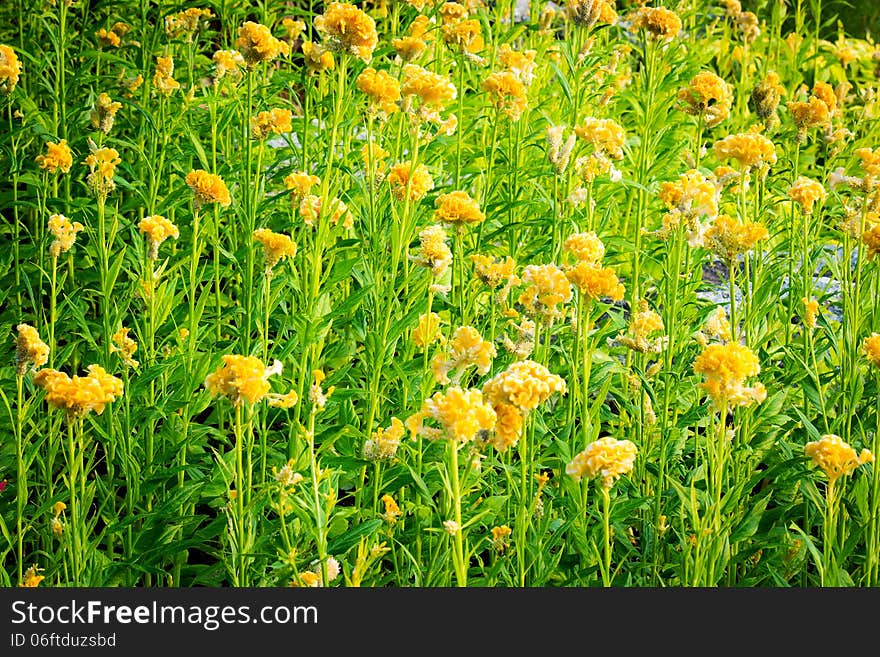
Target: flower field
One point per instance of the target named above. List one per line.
(438, 294)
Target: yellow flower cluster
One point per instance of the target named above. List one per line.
(811, 312)
(807, 192)
(227, 63)
(384, 442)
(605, 135)
(869, 161)
(316, 392)
(318, 59)
(10, 69)
(750, 149)
(585, 246)
(311, 209)
(80, 394)
(765, 98)
(428, 330)
(594, 281)
(31, 579)
(835, 457)
(348, 29)
(494, 273)
(126, 346)
(392, 510)
(461, 415)
(586, 13)
(716, 325)
(606, 458)
(405, 182)
(871, 348)
(163, 78)
(468, 349)
(559, 151)
(275, 246)
(29, 349)
(728, 237)
(725, 368)
(507, 93)
(207, 188)
(525, 384)
(382, 89)
(425, 93)
(300, 184)
(102, 165)
(241, 378)
(186, 22)
(521, 64)
(547, 286)
(457, 208)
(277, 121)
(58, 157)
(157, 229)
(499, 534)
(508, 426)
(292, 29)
(107, 38)
(465, 35)
(707, 96)
(642, 324)
(256, 44)
(64, 233)
(286, 400)
(434, 253)
(659, 22)
(688, 199)
(410, 47)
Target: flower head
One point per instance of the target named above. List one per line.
(871, 349)
(348, 29)
(318, 58)
(102, 165)
(606, 458)
(208, 188)
(434, 253)
(547, 286)
(163, 79)
(428, 330)
(725, 368)
(605, 135)
(157, 229)
(227, 64)
(311, 209)
(750, 150)
(835, 457)
(659, 22)
(31, 578)
(594, 281)
(126, 346)
(507, 92)
(277, 121)
(300, 184)
(80, 394)
(104, 113)
(57, 157)
(30, 350)
(383, 444)
(457, 208)
(382, 89)
(256, 44)
(642, 325)
(806, 193)
(392, 511)
(406, 182)
(707, 96)
(524, 384)
(10, 70)
(461, 415)
(467, 349)
(728, 237)
(241, 378)
(64, 233)
(275, 246)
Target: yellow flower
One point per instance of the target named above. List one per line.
(728, 237)
(587, 13)
(64, 233)
(428, 330)
(606, 458)
(595, 281)
(382, 89)
(58, 508)
(433, 91)
(749, 149)
(707, 96)
(811, 312)
(409, 48)
(276, 121)
(102, 165)
(521, 64)
(642, 324)
(717, 325)
(524, 384)
(348, 29)
(586, 247)
(494, 272)
(287, 400)
(241, 378)
(275, 246)
(507, 93)
(462, 415)
(498, 536)
(126, 346)
(392, 511)
(806, 192)
(300, 184)
(287, 476)
(869, 160)
(256, 44)
(318, 59)
(547, 286)
(311, 210)
(508, 426)
(228, 63)
(871, 348)
(468, 349)
(605, 135)
(725, 368)
(10, 69)
(163, 79)
(384, 442)
(465, 36)
(80, 394)
(835, 457)
(404, 182)
(157, 229)
(29, 349)
(811, 113)
(434, 253)
(292, 29)
(107, 38)
(207, 188)
(659, 22)
(104, 113)
(31, 578)
(316, 393)
(58, 157)
(457, 208)
(765, 98)
(374, 159)
(186, 23)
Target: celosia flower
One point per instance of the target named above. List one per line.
(835, 457)
(869, 161)
(318, 59)
(287, 476)
(508, 427)
(311, 209)
(547, 287)
(725, 368)
(286, 400)
(452, 12)
(749, 149)
(186, 23)
(586, 13)
(157, 229)
(524, 384)
(428, 330)
(465, 35)
(559, 151)
(507, 93)
(276, 121)
(811, 113)
(425, 93)
(406, 183)
(58, 157)
(457, 208)
(729, 238)
(382, 89)
(107, 38)
(256, 44)
(207, 188)
(292, 29)
(498, 536)
(410, 47)
(585, 246)
(241, 378)
(496, 273)
(521, 64)
(605, 135)
(434, 253)
(80, 394)
(688, 199)
(595, 281)
(871, 349)
(606, 458)
(659, 22)
(717, 325)
(383, 444)
(64, 233)
(10, 69)
(707, 96)
(275, 246)
(163, 79)
(300, 184)
(316, 392)
(806, 192)
(451, 527)
(104, 113)
(348, 29)
(392, 511)
(461, 415)
(467, 349)
(31, 578)
(374, 160)
(811, 312)
(228, 63)
(102, 165)
(524, 332)
(30, 350)
(126, 346)
(765, 98)
(642, 325)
